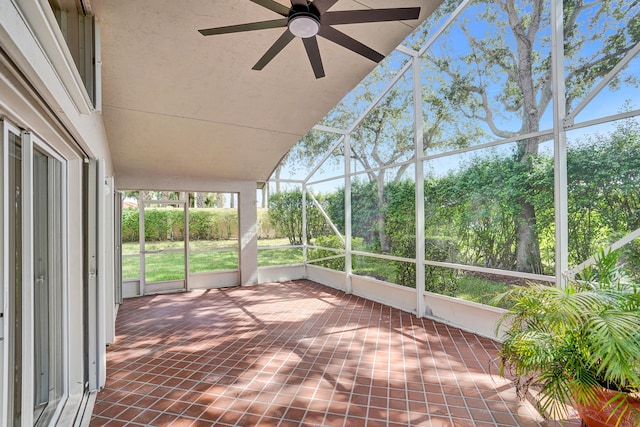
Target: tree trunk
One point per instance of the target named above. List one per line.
(527, 244)
(220, 200)
(199, 200)
(528, 247)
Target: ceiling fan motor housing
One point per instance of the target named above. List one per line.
(304, 21)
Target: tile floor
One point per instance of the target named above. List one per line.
(297, 354)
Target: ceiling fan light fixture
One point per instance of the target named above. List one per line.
(304, 25)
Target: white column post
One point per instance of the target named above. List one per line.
(141, 289)
(347, 212)
(248, 238)
(304, 223)
(560, 142)
(419, 183)
(101, 285)
(185, 237)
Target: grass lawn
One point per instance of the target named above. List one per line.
(461, 286)
(170, 266)
(478, 289)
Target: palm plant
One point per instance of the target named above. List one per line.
(574, 341)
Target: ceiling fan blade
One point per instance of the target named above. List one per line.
(323, 5)
(352, 44)
(280, 44)
(274, 6)
(313, 52)
(277, 23)
(370, 15)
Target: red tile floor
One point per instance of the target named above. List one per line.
(297, 354)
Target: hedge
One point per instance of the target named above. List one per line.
(165, 224)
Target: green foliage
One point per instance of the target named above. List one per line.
(440, 280)
(404, 245)
(365, 212)
(213, 224)
(329, 242)
(163, 224)
(130, 225)
(479, 207)
(285, 213)
(571, 341)
(200, 226)
(604, 192)
(491, 81)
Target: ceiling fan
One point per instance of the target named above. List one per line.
(307, 19)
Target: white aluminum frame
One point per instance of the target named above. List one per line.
(142, 204)
(27, 280)
(38, 143)
(560, 182)
(5, 321)
(601, 85)
(91, 279)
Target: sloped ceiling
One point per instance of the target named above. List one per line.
(176, 103)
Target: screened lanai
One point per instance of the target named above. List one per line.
(351, 283)
(497, 145)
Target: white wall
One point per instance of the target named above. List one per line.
(469, 316)
(41, 91)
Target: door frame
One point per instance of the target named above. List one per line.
(144, 203)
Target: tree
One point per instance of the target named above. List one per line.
(604, 191)
(487, 77)
(199, 200)
(285, 214)
(383, 138)
(501, 78)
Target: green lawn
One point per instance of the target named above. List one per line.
(170, 266)
(478, 290)
(454, 284)
(197, 245)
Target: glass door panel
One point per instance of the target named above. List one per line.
(48, 287)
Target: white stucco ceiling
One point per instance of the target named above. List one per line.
(176, 103)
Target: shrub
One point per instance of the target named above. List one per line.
(332, 242)
(441, 280)
(130, 225)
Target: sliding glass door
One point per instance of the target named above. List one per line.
(48, 290)
(33, 253)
